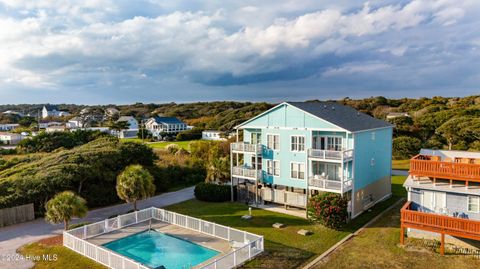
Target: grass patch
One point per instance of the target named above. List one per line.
(65, 258)
(401, 164)
(162, 144)
(283, 248)
(377, 247)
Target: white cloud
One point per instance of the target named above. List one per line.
(54, 41)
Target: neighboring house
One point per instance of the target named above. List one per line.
(45, 124)
(132, 122)
(443, 197)
(52, 111)
(10, 112)
(132, 130)
(393, 115)
(170, 125)
(111, 111)
(75, 122)
(10, 138)
(298, 149)
(54, 129)
(8, 127)
(213, 135)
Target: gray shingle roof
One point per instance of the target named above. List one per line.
(343, 116)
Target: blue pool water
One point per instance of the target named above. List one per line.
(155, 249)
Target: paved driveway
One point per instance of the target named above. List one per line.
(15, 236)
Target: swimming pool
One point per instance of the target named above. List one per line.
(155, 249)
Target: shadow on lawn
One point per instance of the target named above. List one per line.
(280, 256)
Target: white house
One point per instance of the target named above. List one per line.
(8, 127)
(132, 122)
(170, 125)
(393, 115)
(52, 111)
(10, 138)
(11, 112)
(75, 122)
(44, 125)
(111, 111)
(55, 128)
(132, 130)
(213, 135)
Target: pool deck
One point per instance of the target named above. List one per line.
(220, 245)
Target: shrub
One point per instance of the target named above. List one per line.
(212, 192)
(172, 148)
(193, 134)
(405, 147)
(329, 209)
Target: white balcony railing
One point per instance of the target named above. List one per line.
(330, 185)
(246, 148)
(330, 154)
(246, 172)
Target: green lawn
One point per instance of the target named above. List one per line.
(283, 248)
(401, 164)
(66, 258)
(377, 247)
(162, 144)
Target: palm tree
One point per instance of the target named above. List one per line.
(135, 183)
(64, 206)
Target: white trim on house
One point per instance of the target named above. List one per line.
(285, 103)
(373, 129)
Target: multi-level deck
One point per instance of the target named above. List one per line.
(443, 172)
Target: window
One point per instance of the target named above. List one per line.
(318, 142)
(334, 143)
(434, 201)
(474, 204)
(256, 138)
(297, 170)
(273, 167)
(273, 142)
(257, 163)
(298, 143)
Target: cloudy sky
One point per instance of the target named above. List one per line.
(123, 51)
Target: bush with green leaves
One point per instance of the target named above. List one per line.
(172, 148)
(91, 170)
(210, 192)
(328, 209)
(48, 142)
(405, 147)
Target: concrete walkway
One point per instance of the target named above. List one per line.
(15, 236)
(399, 172)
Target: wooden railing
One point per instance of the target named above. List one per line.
(246, 148)
(246, 172)
(446, 170)
(432, 222)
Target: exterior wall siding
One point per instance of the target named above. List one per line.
(456, 202)
(367, 149)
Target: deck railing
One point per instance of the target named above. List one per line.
(247, 148)
(284, 197)
(246, 172)
(446, 170)
(76, 239)
(333, 185)
(439, 223)
(330, 154)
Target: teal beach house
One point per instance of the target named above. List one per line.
(298, 149)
